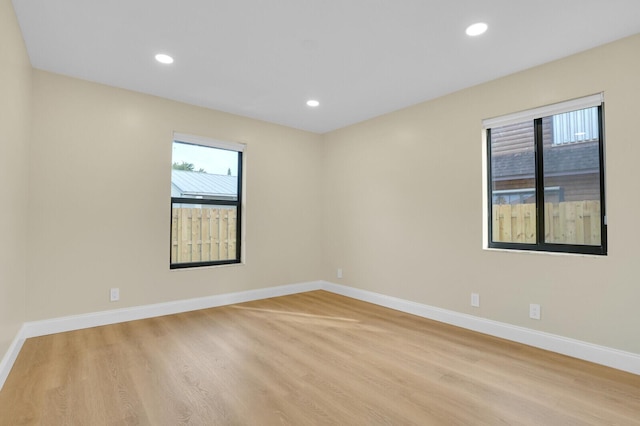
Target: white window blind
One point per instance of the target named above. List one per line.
(213, 143)
(545, 111)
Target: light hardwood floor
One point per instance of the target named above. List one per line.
(306, 359)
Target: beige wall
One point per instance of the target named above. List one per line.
(403, 206)
(15, 105)
(99, 200)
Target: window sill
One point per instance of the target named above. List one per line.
(548, 253)
(192, 268)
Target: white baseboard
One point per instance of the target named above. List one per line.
(621, 360)
(625, 361)
(95, 319)
(10, 356)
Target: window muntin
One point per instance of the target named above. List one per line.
(206, 198)
(545, 195)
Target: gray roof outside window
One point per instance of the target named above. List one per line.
(205, 185)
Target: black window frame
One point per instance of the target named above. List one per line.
(237, 203)
(541, 245)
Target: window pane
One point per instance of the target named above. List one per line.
(204, 172)
(513, 198)
(572, 165)
(203, 233)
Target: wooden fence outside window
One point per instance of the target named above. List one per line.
(203, 234)
(576, 222)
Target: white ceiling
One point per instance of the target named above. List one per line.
(264, 58)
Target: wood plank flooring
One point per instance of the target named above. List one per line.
(308, 359)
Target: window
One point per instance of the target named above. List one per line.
(546, 178)
(206, 202)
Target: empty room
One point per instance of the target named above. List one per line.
(319, 212)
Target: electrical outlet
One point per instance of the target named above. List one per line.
(339, 273)
(114, 295)
(475, 300)
(534, 311)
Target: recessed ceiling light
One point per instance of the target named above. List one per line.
(164, 59)
(477, 29)
(313, 103)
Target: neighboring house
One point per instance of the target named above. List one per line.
(203, 185)
(571, 160)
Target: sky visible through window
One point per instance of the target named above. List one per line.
(212, 160)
